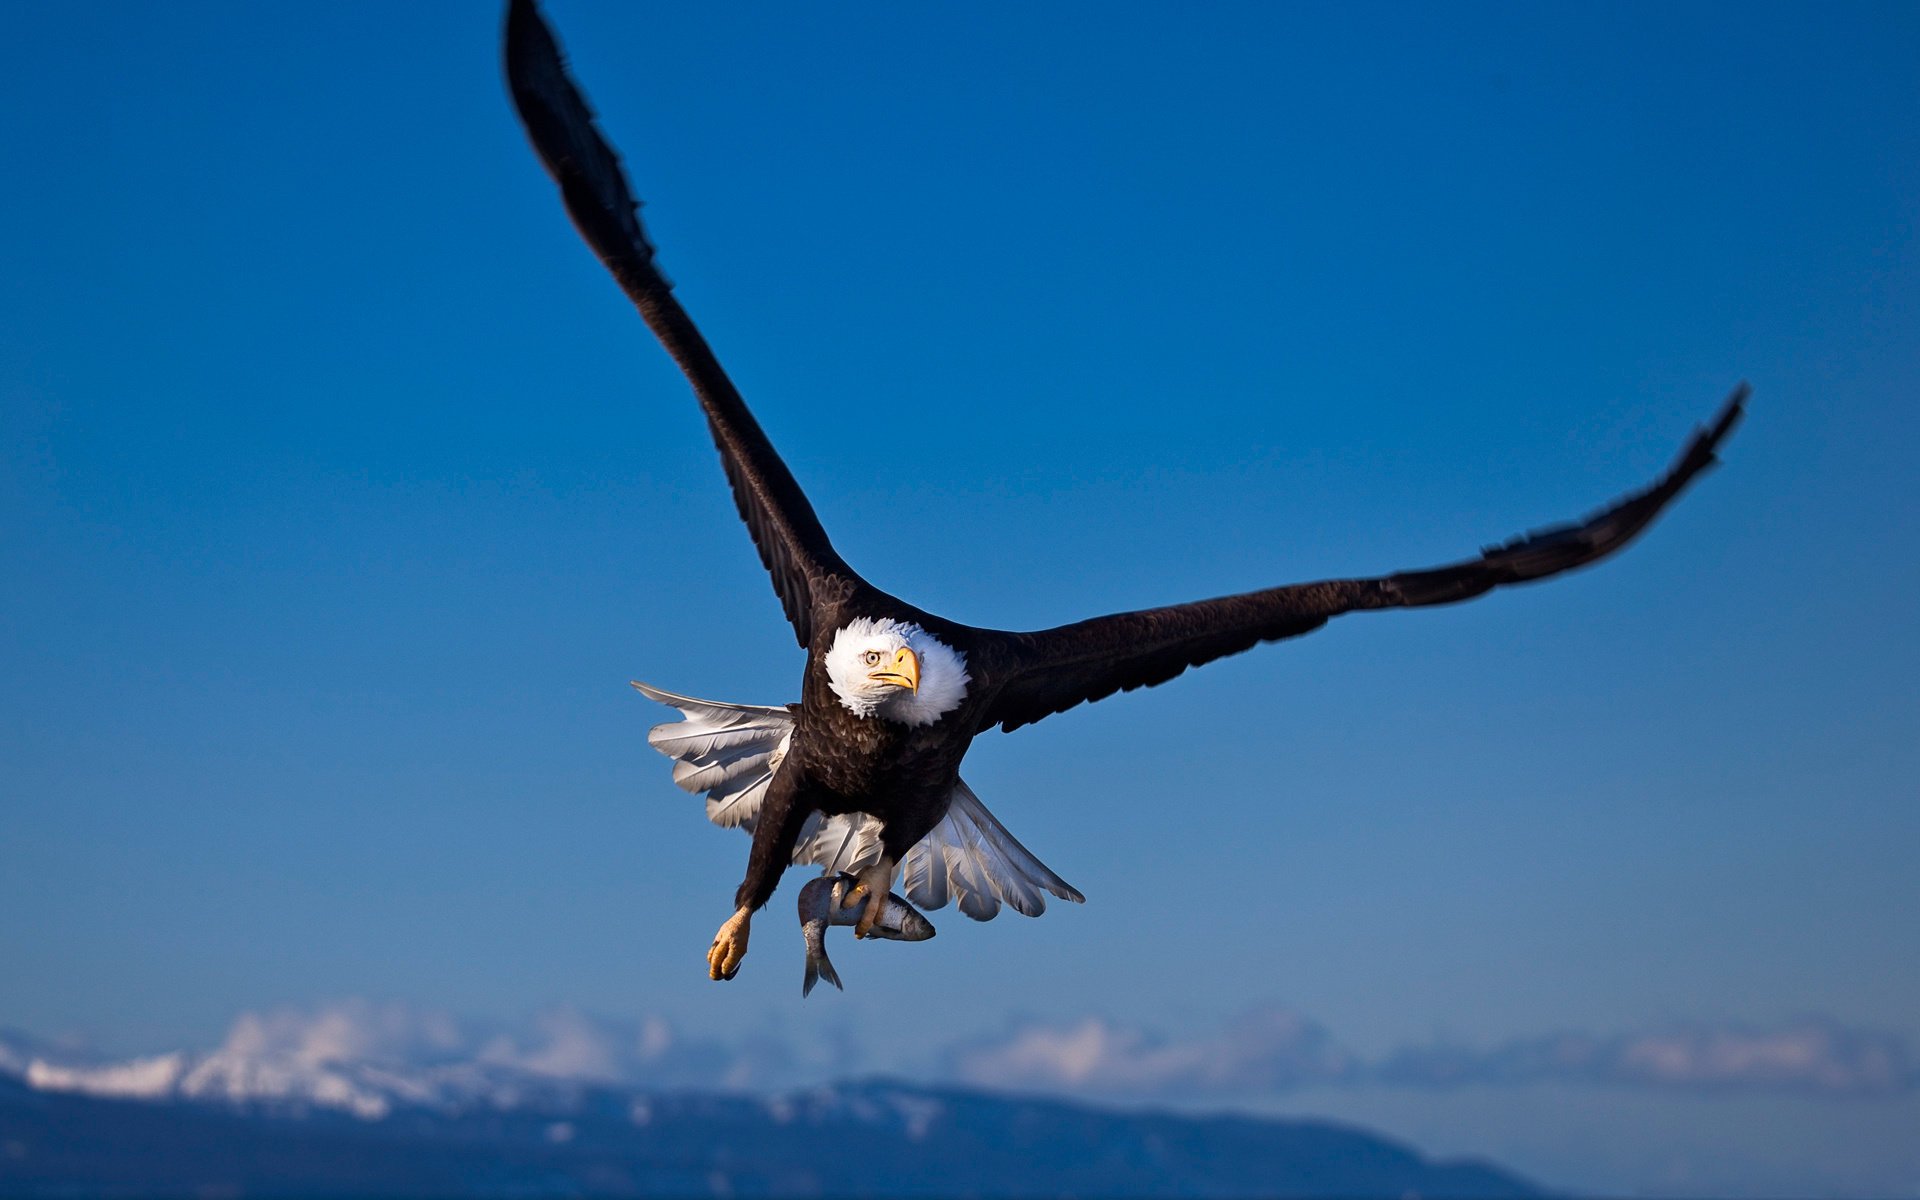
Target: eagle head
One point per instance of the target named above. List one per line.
(896, 671)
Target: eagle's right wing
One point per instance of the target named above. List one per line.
(792, 544)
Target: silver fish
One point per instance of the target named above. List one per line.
(822, 904)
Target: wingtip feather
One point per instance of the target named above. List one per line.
(1731, 413)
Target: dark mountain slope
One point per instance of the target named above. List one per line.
(855, 1140)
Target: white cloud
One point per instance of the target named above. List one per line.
(347, 1031)
(566, 1044)
(1273, 1050)
(1266, 1050)
(1810, 1055)
(1805, 1056)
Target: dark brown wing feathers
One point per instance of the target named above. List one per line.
(1032, 674)
(1059, 668)
(791, 541)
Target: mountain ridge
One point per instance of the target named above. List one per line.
(492, 1130)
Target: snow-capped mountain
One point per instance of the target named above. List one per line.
(18, 1050)
(370, 1061)
(364, 1101)
(367, 1090)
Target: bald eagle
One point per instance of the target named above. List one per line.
(863, 774)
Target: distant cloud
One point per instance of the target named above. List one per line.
(347, 1031)
(650, 1052)
(1805, 1056)
(1269, 1049)
(1273, 1050)
(560, 1044)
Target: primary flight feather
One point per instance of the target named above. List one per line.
(863, 774)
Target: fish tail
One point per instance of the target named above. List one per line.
(818, 968)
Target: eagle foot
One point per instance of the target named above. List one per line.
(875, 882)
(729, 946)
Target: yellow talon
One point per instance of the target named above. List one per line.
(729, 946)
(875, 882)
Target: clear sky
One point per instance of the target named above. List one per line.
(342, 493)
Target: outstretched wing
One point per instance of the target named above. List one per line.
(730, 752)
(1055, 669)
(792, 544)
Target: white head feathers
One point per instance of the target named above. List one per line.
(864, 647)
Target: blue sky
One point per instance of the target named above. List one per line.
(342, 494)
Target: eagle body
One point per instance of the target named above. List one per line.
(863, 774)
(843, 763)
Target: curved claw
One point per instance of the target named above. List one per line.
(876, 904)
(853, 895)
(729, 946)
(875, 882)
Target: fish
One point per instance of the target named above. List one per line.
(823, 903)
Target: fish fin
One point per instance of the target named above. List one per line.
(818, 968)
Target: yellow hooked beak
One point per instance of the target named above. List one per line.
(903, 671)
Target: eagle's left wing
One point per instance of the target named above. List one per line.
(1053, 670)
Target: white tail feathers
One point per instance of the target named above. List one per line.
(970, 857)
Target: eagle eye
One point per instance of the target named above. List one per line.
(873, 658)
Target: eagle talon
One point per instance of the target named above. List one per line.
(729, 946)
(875, 882)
